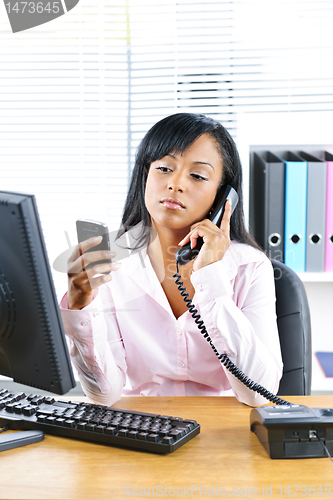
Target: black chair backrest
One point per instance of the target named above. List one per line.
(294, 325)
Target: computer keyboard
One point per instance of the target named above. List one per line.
(99, 424)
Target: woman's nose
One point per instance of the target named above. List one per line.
(176, 183)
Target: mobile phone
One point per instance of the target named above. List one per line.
(89, 228)
(185, 254)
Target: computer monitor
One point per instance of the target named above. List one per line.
(33, 349)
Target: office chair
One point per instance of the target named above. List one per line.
(293, 319)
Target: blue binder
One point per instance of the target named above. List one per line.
(295, 211)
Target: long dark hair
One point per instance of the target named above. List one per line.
(174, 134)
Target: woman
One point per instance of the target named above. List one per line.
(130, 331)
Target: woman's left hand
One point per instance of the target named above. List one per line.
(216, 239)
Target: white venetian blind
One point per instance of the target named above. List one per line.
(78, 94)
(64, 111)
(225, 58)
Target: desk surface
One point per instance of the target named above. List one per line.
(224, 460)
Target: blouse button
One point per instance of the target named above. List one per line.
(182, 364)
(84, 323)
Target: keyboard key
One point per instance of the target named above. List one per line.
(147, 420)
(50, 420)
(20, 396)
(69, 423)
(153, 438)
(143, 436)
(177, 433)
(63, 404)
(49, 401)
(69, 413)
(9, 401)
(106, 421)
(96, 420)
(100, 429)
(79, 414)
(125, 425)
(59, 421)
(155, 428)
(185, 425)
(10, 407)
(37, 400)
(163, 433)
(176, 420)
(90, 427)
(111, 431)
(47, 413)
(29, 410)
(192, 423)
(167, 440)
(123, 432)
(116, 426)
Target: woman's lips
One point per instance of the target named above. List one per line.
(172, 203)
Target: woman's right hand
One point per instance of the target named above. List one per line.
(82, 280)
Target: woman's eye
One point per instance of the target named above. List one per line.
(163, 169)
(199, 177)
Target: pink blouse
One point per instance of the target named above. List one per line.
(128, 341)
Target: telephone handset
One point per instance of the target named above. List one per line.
(185, 254)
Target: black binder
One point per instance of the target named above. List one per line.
(267, 202)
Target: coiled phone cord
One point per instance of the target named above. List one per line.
(224, 359)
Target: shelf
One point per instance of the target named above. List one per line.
(299, 131)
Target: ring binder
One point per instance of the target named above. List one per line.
(267, 202)
(315, 212)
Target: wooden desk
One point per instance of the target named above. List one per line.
(225, 460)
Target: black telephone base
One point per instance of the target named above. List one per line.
(294, 431)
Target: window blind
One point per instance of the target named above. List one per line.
(225, 58)
(78, 94)
(64, 111)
